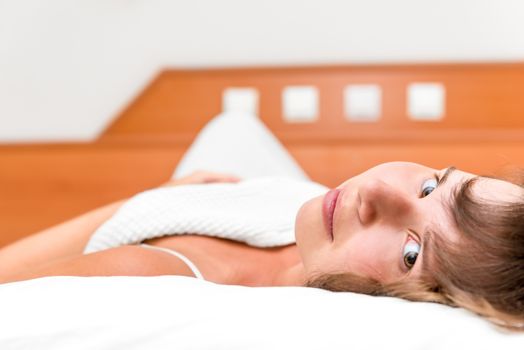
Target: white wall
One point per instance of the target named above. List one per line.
(67, 67)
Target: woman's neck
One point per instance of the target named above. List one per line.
(268, 267)
(230, 262)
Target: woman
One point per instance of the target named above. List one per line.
(399, 229)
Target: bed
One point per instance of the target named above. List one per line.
(480, 130)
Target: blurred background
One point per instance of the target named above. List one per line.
(67, 68)
(70, 69)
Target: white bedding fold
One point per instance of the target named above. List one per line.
(260, 212)
(174, 312)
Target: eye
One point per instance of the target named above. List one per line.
(410, 254)
(428, 186)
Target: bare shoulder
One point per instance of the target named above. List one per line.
(134, 260)
(128, 260)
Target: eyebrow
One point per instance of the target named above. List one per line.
(446, 175)
(428, 231)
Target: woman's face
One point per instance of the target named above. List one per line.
(374, 224)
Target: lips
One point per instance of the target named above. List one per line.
(328, 208)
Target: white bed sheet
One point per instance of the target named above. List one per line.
(184, 313)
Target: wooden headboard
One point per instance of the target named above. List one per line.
(482, 131)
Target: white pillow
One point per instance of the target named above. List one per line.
(238, 143)
(174, 312)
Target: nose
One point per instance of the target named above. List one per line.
(383, 202)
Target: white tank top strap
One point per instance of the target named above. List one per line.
(182, 257)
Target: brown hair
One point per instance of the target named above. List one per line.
(482, 272)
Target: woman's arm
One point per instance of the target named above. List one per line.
(129, 260)
(58, 242)
(69, 239)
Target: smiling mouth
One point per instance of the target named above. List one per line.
(328, 209)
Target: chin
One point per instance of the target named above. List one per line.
(309, 227)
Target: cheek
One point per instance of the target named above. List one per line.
(370, 254)
(374, 254)
(390, 170)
